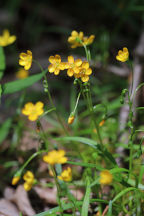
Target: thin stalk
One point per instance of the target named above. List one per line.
(58, 188)
(89, 99)
(50, 99)
(131, 135)
(77, 101)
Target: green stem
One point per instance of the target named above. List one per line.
(89, 99)
(77, 101)
(131, 135)
(90, 105)
(58, 188)
(50, 98)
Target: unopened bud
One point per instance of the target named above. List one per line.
(15, 180)
(71, 119)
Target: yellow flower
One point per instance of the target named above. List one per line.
(102, 123)
(6, 39)
(105, 177)
(55, 157)
(71, 119)
(33, 111)
(15, 180)
(84, 72)
(26, 59)
(56, 64)
(88, 40)
(29, 180)
(73, 39)
(66, 175)
(22, 73)
(123, 55)
(73, 66)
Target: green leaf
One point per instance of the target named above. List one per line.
(4, 129)
(18, 85)
(123, 192)
(110, 208)
(83, 140)
(86, 201)
(53, 211)
(0, 92)
(2, 62)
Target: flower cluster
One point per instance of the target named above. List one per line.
(6, 39)
(78, 39)
(75, 68)
(55, 157)
(33, 111)
(29, 180)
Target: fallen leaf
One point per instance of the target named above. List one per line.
(7, 208)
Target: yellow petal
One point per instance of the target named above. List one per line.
(52, 59)
(57, 71)
(39, 105)
(71, 59)
(125, 49)
(76, 70)
(51, 68)
(85, 65)
(88, 71)
(78, 62)
(85, 78)
(11, 39)
(33, 117)
(81, 34)
(29, 52)
(27, 66)
(27, 186)
(70, 72)
(21, 62)
(57, 58)
(120, 52)
(74, 33)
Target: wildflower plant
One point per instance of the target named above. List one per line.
(85, 139)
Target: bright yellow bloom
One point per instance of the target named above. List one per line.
(78, 39)
(66, 175)
(56, 64)
(73, 66)
(33, 111)
(84, 72)
(6, 39)
(22, 73)
(29, 180)
(123, 55)
(73, 39)
(15, 180)
(71, 119)
(102, 123)
(88, 40)
(55, 157)
(26, 59)
(105, 177)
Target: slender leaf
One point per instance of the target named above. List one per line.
(83, 140)
(53, 211)
(86, 201)
(4, 129)
(18, 85)
(123, 192)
